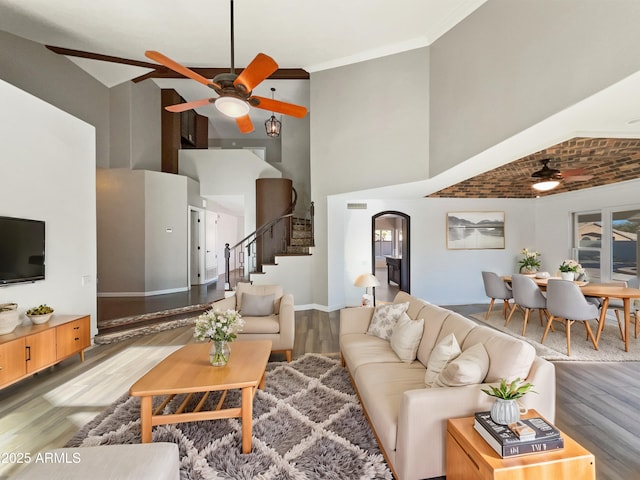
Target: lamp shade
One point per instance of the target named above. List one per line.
(366, 280)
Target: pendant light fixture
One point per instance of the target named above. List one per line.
(273, 125)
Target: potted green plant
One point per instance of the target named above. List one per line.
(40, 314)
(570, 269)
(506, 409)
(529, 262)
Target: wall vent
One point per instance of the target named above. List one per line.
(356, 206)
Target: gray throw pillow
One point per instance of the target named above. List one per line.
(257, 305)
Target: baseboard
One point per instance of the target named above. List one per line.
(143, 294)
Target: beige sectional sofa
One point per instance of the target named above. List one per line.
(408, 418)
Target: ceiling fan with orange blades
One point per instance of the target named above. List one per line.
(234, 91)
(548, 178)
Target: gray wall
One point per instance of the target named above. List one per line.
(369, 128)
(55, 79)
(512, 64)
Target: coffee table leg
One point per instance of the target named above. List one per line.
(145, 418)
(247, 413)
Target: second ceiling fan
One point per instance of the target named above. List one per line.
(548, 178)
(234, 91)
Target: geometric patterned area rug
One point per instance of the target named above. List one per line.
(610, 347)
(307, 424)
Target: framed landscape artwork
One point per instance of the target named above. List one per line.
(475, 230)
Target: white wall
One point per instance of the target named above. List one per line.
(369, 128)
(510, 65)
(228, 173)
(438, 275)
(48, 173)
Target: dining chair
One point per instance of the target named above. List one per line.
(616, 304)
(566, 302)
(528, 296)
(496, 288)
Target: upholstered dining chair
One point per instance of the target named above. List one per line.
(528, 296)
(566, 302)
(496, 288)
(616, 304)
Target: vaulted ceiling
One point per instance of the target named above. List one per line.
(604, 160)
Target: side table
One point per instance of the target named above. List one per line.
(470, 457)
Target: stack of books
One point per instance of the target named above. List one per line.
(530, 435)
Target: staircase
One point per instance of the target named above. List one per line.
(301, 237)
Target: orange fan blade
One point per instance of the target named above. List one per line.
(176, 67)
(244, 124)
(181, 107)
(278, 106)
(260, 68)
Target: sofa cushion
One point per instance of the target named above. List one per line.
(468, 368)
(415, 304)
(244, 287)
(509, 357)
(384, 319)
(360, 349)
(269, 324)
(434, 316)
(406, 336)
(446, 350)
(257, 305)
(381, 387)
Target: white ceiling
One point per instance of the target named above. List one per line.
(305, 34)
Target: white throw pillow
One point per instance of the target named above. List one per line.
(385, 318)
(257, 305)
(446, 350)
(469, 368)
(406, 337)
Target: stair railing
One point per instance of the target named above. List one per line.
(272, 238)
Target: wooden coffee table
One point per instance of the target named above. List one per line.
(469, 457)
(188, 371)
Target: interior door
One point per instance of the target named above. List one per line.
(194, 247)
(211, 242)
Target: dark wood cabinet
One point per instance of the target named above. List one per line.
(394, 269)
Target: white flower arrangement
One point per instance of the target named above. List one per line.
(571, 266)
(529, 261)
(216, 325)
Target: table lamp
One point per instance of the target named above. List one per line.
(367, 280)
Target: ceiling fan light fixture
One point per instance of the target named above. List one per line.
(232, 106)
(545, 185)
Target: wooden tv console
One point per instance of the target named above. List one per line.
(31, 348)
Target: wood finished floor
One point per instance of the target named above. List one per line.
(597, 403)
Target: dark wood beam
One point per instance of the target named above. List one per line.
(160, 71)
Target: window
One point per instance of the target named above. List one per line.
(383, 242)
(606, 243)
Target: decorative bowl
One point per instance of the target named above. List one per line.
(9, 320)
(542, 275)
(39, 319)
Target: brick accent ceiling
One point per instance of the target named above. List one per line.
(608, 160)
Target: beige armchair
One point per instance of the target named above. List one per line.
(267, 312)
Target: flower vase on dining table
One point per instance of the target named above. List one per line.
(567, 275)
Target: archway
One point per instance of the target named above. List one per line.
(391, 253)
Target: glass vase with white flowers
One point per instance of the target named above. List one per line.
(219, 327)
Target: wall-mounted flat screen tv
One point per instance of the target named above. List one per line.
(21, 250)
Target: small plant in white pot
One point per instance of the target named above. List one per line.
(506, 409)
(40, 314)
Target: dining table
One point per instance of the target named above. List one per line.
(606, 291)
